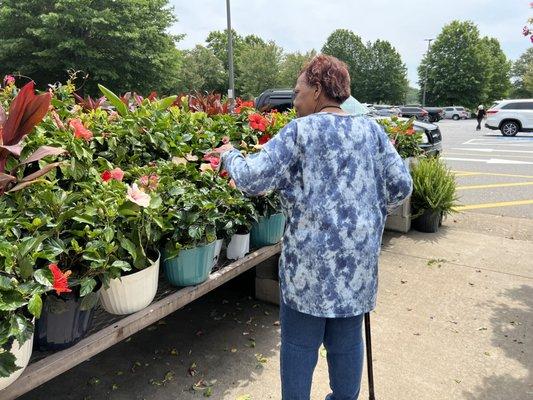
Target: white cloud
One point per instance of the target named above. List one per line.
(300, 25)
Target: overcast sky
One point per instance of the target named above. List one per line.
(302, 25)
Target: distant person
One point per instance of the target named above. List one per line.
(337, 174)
(481, 113)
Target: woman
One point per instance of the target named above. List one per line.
(480, 115)
(337, 175)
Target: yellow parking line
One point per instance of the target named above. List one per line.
(494, 185)
(494, 205)
(467, 174)
(492, 174)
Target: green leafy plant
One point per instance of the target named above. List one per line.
(434, 187)
(402, 134)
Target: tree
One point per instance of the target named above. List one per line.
(412, 96)
(258, 68)
(522, 68)
(291, 66)
(348, 47)
(456, 67)
(122, 44)
(387, 73)
(217, 41)
(201, 71)
(497, 81)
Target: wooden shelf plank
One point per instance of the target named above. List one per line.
(48, 368)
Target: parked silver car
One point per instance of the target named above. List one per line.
(387, 111)
(455, 113)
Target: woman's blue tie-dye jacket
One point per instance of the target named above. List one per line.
(337, 175)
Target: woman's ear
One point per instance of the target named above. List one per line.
(318, 91)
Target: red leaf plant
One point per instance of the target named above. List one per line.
(89, 103)
(26, 111)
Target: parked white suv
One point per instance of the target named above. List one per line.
(511, 116)
(455, 113)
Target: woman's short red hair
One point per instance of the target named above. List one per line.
(332, 74)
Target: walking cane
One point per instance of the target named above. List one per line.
(369, 358)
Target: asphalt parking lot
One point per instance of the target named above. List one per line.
(494, 173)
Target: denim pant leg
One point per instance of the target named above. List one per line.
(301, 337)
(343, 341)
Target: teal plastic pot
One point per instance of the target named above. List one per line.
(268, 231)
(191, 266)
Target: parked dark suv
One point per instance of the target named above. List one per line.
(281, 100)
(418, 112)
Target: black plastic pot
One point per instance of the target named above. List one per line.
(62, 323)
(428, 222)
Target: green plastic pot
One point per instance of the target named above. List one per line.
(268, 231)
(191, 267)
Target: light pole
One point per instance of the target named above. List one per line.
(231, 90)
(426, 77)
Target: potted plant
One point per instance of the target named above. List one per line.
(270, 226)
(188, 223)
(24, 278)
(434, 193)
(130, 280)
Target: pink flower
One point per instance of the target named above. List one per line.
(213, 160)
(525, 31)
(117, 174)
(80, 131)
(149, 182)
(137, 196)
(225, 139)
(9, 80)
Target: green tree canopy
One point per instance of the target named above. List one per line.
(291, 66)
(497, 81)
(387, 74)
(122, 44)
(457, 68)
(521, 73)
(202, 71)
(258, 68)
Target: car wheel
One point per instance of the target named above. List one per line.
(509, 128)
(455, 117)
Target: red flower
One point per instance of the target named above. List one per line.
(525, 31)
(257, 121)
(410, 132)
(265, 138)
(80, 131)
(116, 174)
(60, 279)
(224, 173)
(243, 104)
(106, 176)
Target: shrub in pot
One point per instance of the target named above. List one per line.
(270, 226)
(434, 193)
(188, 220)
(24, 278)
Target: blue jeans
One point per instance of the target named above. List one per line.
(301, 337)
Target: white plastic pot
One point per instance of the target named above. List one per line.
(22, 355)
(131, 293)
(218, 247)
(238, 246)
